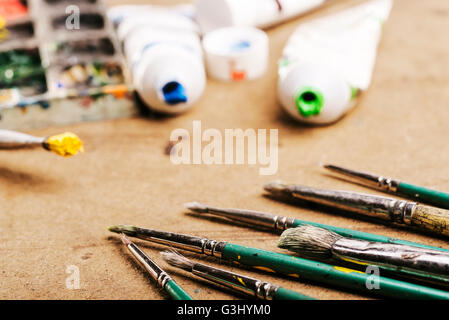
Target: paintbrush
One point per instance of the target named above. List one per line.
(437, 198)
(395, 211)
(277, 222)
(162, 278)
(238, 283)
(321, 244)
(285, 264)
(64, 144)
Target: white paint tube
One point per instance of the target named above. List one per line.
(119, 13)
(214, 14)
(164, 52)
(328, 61)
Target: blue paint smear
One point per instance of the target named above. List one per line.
(239, 46)
(174, 93)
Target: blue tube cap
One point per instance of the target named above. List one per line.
(174, 93)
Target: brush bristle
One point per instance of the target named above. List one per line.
(309, 241)
(196, 207)
(275, 186)
(128, 230)
(124, 239)
(175, 259)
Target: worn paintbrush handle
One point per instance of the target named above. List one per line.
(13, 139)
(430, 218)
(285, 294)
(434, 197)
(324, 273)
(176, 292)
(355, 234)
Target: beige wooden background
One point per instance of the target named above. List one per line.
(54, 212)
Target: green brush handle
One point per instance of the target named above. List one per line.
(176, 292)
(285, 294)
(332, 275)
(437, 198)
(364, 235)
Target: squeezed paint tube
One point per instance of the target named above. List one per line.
(327, 62)
(164, 52)
(117, 14)
(214, 14)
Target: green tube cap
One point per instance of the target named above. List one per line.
(309, 101)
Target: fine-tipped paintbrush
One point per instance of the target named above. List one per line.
(437, 198)
(238, 283)
(285, 264)
(396, 211)
(162, 278)
(64, 144)
(321, 244)
(277, 222)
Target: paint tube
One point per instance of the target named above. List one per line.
(164, 52)
(117, 14)
(236, 53)
(214, 14)
(327, 62)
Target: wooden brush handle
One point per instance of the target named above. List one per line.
(431, 218)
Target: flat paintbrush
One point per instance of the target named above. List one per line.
(65, 144)
(285, 264)
(321, 244)
(238, 283)
(277, 222)
(162, 278)
(434, 197)
(395, 211)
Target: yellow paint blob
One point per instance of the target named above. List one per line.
(241, 281)
(347, 270)
(65, 144)
(355, 261)
(2, 22)
(264, 269)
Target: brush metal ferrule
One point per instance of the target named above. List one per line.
(251, 217)
(12, 140)
(388, 184)
(371, 180)
(181, 241)
(238, 283)
(153, 269)
(375, 206)
(395, 257)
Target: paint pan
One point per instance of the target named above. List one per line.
(83, 76)
(62, 75)
(22, 69)
(13, 10)
(72, 52)
(15, 34)
(87, 21)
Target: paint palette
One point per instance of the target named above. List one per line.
(60, 63)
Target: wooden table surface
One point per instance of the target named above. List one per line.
(54, 212)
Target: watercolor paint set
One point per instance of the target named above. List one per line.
(60, 63)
